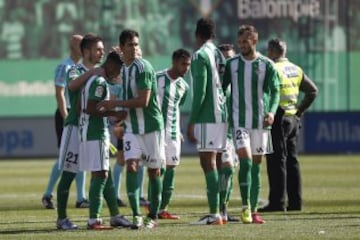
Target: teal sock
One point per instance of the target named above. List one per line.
(54, 176)
(212, 187)
(63, 193)
(80, 185)
(168, 187)
(255, 186)
(96, 190)
(132, 188)
(156, 189)
(225, 176)
(118, 169)
(245, 180)
(109, 195)
(140, 176)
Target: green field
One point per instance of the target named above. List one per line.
(331, 186)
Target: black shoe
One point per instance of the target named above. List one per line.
(269, 208)
(293, 208)
(144, 202)
(47, 202)
(120, 203)
(232, 218)
(83, 204)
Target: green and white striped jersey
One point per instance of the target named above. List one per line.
(140, 75)
(254, 90)
(94, 127)
(171, 95)
(208, 103)
(74, 72)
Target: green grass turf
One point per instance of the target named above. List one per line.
(331, 191)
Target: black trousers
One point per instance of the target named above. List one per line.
(59, 125)
(283, 167)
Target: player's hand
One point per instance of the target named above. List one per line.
(190, 133)
(99, 71)
(105, 105)
(268, 120)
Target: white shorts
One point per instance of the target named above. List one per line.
(149, 148)
(172, 151)
(94, 155)
(211, 137)
(256, 139)
(69, 149)
(229, 155)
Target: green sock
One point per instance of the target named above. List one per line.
(231, 182)
(110, 197)
(255, 186)
(245, 180)
(168, 187)
(132, 188)
(225, 176)
(156, 189)
(63, 193)
(97, 186)
(212, 187)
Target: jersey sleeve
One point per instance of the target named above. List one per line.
(98, 89)
(273, 80)
(60, 75)
(199, 80)
(146, 78)
(184, 96)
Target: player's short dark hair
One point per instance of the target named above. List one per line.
(277, 45)
(114, 57)
(89, 40)
(180, 53)
(205, 28)
(126, 35)
(226, 47)
(247, 28)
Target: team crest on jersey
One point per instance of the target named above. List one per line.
(73, 72)
(205, 7)
(99, 91)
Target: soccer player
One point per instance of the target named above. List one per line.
(208, 117)
(144, 134)
(282, 165)
(60, 115)
(254, 100)
(172, 92)
(227, 160)
(116, 91)
(95, 144)
(92, 49)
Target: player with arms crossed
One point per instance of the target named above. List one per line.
(254, 99)
(144, 134)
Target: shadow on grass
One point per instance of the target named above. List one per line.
(10, 232)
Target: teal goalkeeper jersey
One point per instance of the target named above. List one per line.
(94, 127)
(74, 72)
(208, 103)
(254, 90)
(140, 75)
(171, 95)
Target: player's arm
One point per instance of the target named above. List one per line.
(60, 99)
(92, 110)
(199, 79)
(310, 90)
(79, 80)
(60, 83)
(273, 80)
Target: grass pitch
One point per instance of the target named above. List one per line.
(331, 192)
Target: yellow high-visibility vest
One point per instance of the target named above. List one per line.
(291, 76)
